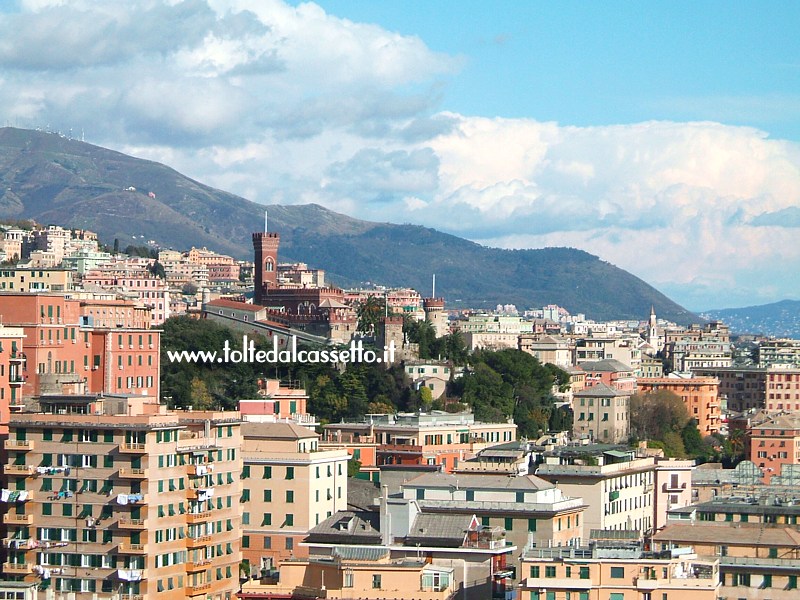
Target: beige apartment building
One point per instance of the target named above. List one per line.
(24, 279)
(616, 486)
(616, 573)
(117, 497)
(290, 486)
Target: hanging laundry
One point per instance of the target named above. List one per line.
(122, 499)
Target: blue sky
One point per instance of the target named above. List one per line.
(662, 137)
(603, 63)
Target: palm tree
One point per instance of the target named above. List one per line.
(369, 313)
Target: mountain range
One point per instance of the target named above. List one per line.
(53, 179)
(778, 319)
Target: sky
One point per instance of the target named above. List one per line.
(662, 137)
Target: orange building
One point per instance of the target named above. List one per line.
(435, 438)
(700, 395)
(775, 442)
(100, 346)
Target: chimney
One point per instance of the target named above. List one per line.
(386, 536)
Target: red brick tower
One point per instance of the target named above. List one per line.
(265, 247)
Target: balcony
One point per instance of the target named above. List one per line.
(126, 548)
(198, 542)
(132, 448)
(11, 519)
(647, 584)
(668, 487)
(19, 469)
(198, 517)
(199, 588)
(16, 381)
(23, 445)
(132, 474)
(131, 597)
(203, 493)
(16, 544)
(131, 524)
(199, 564)
(130, 575)
(17, 357)
(17, 568)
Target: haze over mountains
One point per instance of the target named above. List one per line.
(53, 179)
(778, 319)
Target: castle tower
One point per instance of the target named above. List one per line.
(265, 272)
(435, 315)
(391, 330)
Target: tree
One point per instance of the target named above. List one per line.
(189, 289)
(353, 467)
(201, 398)
(157, 269)
(490, 397)
(116, 245)
(656, 414)
(370, 312)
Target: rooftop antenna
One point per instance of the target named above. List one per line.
(265, 221)
(433, 291)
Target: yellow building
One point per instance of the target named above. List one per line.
(121, 498)
(290, 486)
(19, 279)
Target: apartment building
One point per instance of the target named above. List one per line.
(435, 438)
(548, 349)
(756, 561)
(118, 497)
(616, 572)
(610, 372)
(700, 396)
(779, 352)
(532, 511)
(775, 442)
(29, 279)
(136, 281)
(104, 346)
(290, 486)
(673, 488)
(12, 359)
(698, 347)
(615, 484)
(602, 413)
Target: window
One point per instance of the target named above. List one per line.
(535, 572)
(376, 582)
(550, 571)
(289, 543)
(584, 573)
(617, 572)
(246, 472)
(766, 581)
(245, 541)
(289, 520)
(289, 496)
(348, 580)
(267, 542)
(531, 524)
(616, 596)
(267, 495)
(509, 523)
(267, 473)
(289, 472)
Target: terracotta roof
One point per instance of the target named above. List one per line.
(277, 431)
(223, 303)
(599, 390)
(731, 534)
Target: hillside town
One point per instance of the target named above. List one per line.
(664, 463)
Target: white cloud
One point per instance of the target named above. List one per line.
(290, 104)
